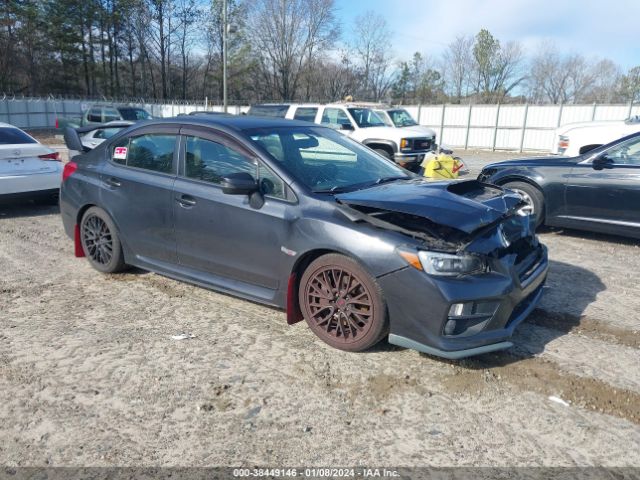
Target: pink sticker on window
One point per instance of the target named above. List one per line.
(120, 153)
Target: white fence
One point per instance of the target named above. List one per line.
(510, 127)
(495, 127)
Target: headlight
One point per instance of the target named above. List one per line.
(404, 143)
(444, 264)
(450, 265)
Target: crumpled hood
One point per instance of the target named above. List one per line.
(465, 205)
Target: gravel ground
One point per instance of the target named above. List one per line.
(90, 376)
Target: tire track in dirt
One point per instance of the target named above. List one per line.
(544, 377)
(585, 325)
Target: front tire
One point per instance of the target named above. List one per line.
(532, 196)
(342, 303)
(100, 241)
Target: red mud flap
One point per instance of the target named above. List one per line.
(77, 244)
(294, 315)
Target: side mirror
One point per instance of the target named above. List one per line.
(602, 162)
(587, 148)
(346, 126)
(241, 183)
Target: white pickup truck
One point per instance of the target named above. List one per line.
(575, 139)
(407, 147)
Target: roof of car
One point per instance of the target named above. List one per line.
(235, 122)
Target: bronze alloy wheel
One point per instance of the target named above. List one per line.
(342, 303)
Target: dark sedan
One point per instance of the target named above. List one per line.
(301, 217)
(598, 191)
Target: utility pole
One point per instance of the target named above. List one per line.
(224, 55)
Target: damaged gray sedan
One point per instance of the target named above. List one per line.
(300, 217)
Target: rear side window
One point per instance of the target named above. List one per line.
(152, 152)
(308, 114)
(13, 136)
(279, 111)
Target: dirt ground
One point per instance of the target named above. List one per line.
(90, 376)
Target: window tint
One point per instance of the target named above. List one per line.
(95, 115)
(152, 152)
(11, 136)
(211, 161)
(308, 114)
(627, 153)
(334, 117)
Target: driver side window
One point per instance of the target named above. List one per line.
(210, 161)
(627, 153)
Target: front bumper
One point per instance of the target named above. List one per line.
(419, 308)
(410, 157)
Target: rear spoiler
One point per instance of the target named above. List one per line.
(72, 135)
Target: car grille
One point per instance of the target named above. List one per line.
(421, 144)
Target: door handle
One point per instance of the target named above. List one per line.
(186, 201)
(113, 182)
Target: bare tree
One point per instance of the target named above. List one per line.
(371, 45)
(457, 66)
(286, 35)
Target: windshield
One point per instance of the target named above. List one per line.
(401, 118)
(365, 117)
(325, 160)
(14, 136)
(134, 114)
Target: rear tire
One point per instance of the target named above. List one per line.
(342, 303)
(100, 241)
(532, 195)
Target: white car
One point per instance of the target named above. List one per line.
(405, 146)
(575, 139)
(28, 169)
(93, 135)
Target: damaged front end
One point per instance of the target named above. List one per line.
(487, 267)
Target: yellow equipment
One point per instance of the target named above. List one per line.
(441, 165)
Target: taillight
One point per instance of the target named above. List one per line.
(57, 124)
(69, 169)
(55, 156)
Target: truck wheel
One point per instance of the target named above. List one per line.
(384, 152)
(342, 303)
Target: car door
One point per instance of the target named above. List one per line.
(337, 119)
(223, 234)
(608, 195)
(137, 191)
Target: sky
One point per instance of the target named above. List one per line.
(593, 28)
